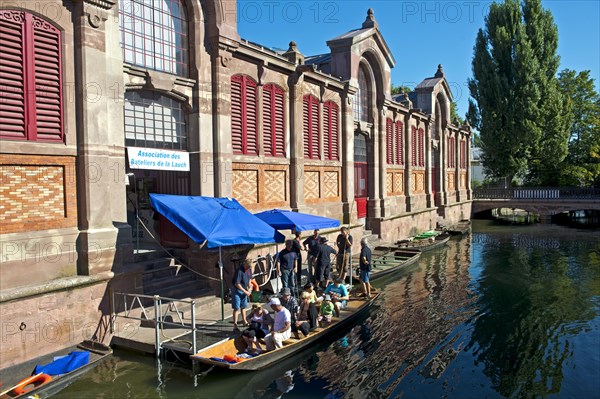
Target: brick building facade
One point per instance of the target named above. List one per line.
(82, 81)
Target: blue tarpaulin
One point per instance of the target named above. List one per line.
(218, 221)
(64, 364)
(288, 220)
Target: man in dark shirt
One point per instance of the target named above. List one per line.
(344, 244)
(365, 267)
(311, 244)
(286, 266)
(297, 248)
(323, 262)
(241, 291)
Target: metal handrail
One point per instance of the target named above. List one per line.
(159, 321)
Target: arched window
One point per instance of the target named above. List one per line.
(331, 131)
(155, 121)
(273, 121)
(311, 127)
(244, 123)
(154, 34)
(31, 78)
(451, 152)
(361, 98)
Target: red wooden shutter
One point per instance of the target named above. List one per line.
(48, 83)
(251, 120)
(311, 127)
(273, 121)
(414, 146)
(279, 122)
(334, 132)
(389, 141)
(268, 142)
(306, 125)
(237, 135)
(12, 76)
(399, 142)
(330, 136)
(314, 121)
(30, 78)
(421, 147)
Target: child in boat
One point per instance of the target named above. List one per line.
(339, 294)
(326, 311)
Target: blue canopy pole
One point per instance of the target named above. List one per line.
(222, 287)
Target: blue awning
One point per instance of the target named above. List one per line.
(219, 221)
(288, 220)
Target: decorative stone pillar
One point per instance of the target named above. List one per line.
(428, 164)
(382, 169)
(408, 161)
(296, 140)
(221, 55)
(100, 139)
(347, 155)
(377, 132)
(457, 165)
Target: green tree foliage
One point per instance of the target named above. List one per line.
(400, 89)
(582, 165)
(516, 105)
(454, 117)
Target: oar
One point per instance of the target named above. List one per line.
(26, 382)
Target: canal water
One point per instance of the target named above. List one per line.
(506, 312)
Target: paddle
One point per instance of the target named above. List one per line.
(25, 381)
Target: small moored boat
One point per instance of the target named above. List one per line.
(214, 355)
(425, 244)
(18, 381)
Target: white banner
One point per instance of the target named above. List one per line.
(152, 158)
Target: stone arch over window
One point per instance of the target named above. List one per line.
(154, 35)
(154, 120)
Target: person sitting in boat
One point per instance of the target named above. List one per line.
(309, 288)
(290, 303)
(326, 311)
(339, 294)
(323, 263)
(260, 322)
(307, 315)
(282, 326)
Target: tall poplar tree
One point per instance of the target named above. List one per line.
(521, 115)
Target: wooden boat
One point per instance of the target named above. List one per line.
(463, 227)
(12, 376)
(389, 259)
(356, 306)
(424, 245)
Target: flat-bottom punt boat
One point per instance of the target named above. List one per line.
(426, 244)
(231, 347)
(389, 259)
(40, 386)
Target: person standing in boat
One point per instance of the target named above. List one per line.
(344, 244)
(365, 267)
(311, 245)
(323, 263)
(282, 326)
(297, 248)
(241, 291)
(286, 267)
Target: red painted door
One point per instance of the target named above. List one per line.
(360, 188)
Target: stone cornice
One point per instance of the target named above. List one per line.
(103, 4)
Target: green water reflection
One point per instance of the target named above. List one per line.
(505, 312)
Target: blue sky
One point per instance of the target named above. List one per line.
(420, 34)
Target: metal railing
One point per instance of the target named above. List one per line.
(156, 309)
(537, 193)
